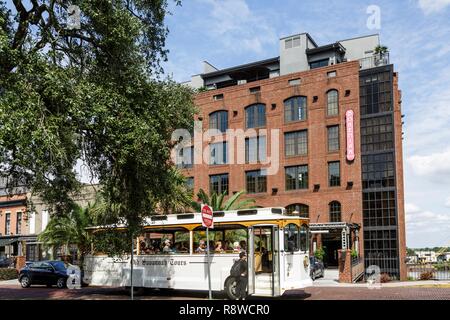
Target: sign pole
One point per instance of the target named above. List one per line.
(209, 263)
(207, 222)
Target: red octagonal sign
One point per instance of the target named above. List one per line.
(207, 217)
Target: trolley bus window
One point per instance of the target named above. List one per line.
(172, 241)
(223, 239)
(304, 238)
(263, 249)
(291, 238)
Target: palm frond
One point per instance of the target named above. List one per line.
(229, 203)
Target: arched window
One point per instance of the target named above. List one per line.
(255, 116)
(295, 109)
(302, 209)
(332, 102)
(219, 120)
(335, 211)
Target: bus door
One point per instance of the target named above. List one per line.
(264, 260)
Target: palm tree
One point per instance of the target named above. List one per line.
(217, 204)
(379, 49)
(69, 229)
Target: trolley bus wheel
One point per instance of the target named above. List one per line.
(230, 288)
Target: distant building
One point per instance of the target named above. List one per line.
(426, 256)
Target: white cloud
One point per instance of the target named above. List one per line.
(430, 6)
(447, 202)
(237, 28)
(426, 222)
(434, 164)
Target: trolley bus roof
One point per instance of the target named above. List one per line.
(236, 216)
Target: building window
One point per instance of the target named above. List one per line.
(295, 109)
(218, 183)
(302, 209)
(297, 177)
(7, 223)
(255, 149)
(295, 82)
(185, 157)
(190, 183)
(219, 120)
(218, 153)
(331, 74)
(332, 103)
(335, 211)
(333, 138)
(377, 134)
(319, 63)
(18, 222)
(218, 97)
(255, 116)
(296, 143)
(334, 174)
(256, 181)
(378, 171)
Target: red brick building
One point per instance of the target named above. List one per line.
(329, 145)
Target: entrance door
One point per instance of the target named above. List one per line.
(331, 247)
(264, 260)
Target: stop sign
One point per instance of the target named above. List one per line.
(207, 216)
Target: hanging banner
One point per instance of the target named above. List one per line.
(350, 135)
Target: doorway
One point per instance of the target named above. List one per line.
(263, 258)
(331, 243)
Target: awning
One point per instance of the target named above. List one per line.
(7, 241)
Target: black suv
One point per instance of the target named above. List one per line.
(44, 272)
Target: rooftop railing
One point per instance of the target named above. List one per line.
(377, 60)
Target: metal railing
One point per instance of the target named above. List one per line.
(377, 60)
(429, 271)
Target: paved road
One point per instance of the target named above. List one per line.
(14, 291)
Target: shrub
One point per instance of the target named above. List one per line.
(8, 274)
(384, 277)
(354, 254)
(427, 275)
(319, 253)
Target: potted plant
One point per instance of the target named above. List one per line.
(380, 52)
(319, 253)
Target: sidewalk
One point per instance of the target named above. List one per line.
(392, 284)
(9, 282)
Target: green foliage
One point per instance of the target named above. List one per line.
(8, 274)
(381, 49)
(319, 253)
(111, 242)
(93, 94)
(69, 229)
(216, 201)
(354, 253)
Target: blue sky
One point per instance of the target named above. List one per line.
(417, 32)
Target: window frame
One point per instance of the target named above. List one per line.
(221, 188)
(295, 109)
(332, 211)
(260, 183)
(217, 118)
(334, 139)
(296, 139)
(256, 116)
(332, 103)
(297, 183)
(333, 181)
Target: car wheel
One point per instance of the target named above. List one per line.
(231, 288)
(61, 283)
(25, 282)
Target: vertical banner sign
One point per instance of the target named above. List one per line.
(207, 222)
(350, 135)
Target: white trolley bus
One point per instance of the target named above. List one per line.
(276, 244)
